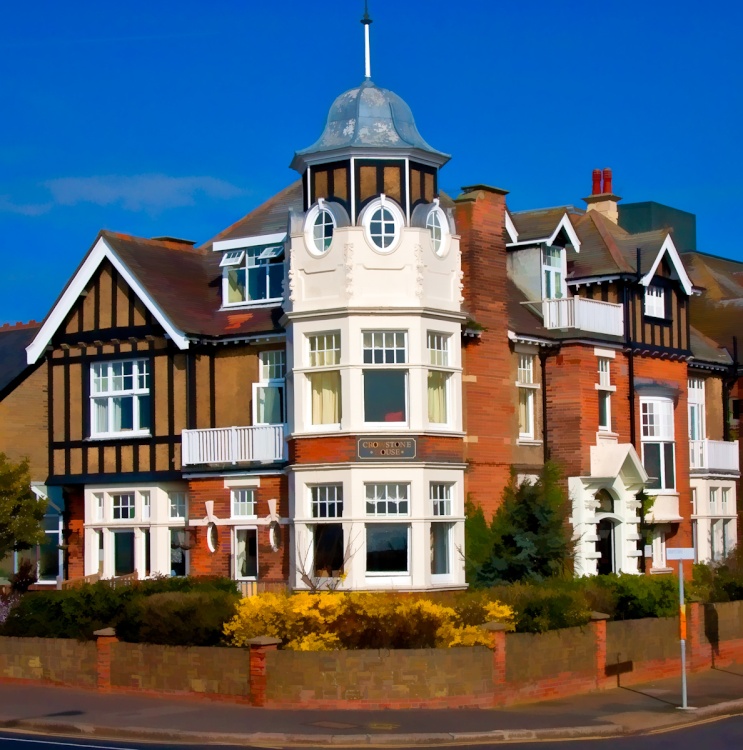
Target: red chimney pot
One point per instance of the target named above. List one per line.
(607, 181)
(596, 189)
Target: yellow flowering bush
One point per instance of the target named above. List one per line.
(324, 621)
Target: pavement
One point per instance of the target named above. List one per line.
(652, 706)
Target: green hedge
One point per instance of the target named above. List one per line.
(78, 613)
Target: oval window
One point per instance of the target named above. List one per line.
(383, 222)
(212, 537)
(439, 230)
(319, 229)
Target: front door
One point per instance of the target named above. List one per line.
(605, 547)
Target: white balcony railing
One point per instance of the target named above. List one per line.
(714, 455)
(586, 314)
(233, 445)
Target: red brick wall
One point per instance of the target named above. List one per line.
(272, 565)
(489, 393)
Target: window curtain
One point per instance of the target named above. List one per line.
(437, 411)
(101, 415)
(240, 553)
(326, 401)
(525, 411)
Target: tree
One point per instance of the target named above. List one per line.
(21, 512)
(531, 537)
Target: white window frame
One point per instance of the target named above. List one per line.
(440, 495)
(120, 507)
(319, 245)
(390, 573)
(177, 502)
(333, 499)
(604, 388)
(697, 408)
(381, 495)
(437, 345)
(235, 531)
(657, 427)
(713, 509)
(526, 389)
(373, 346)
(104, 373)
(243, 496)
(258, 256)
(323, 355)
(438, 230)
(186, 552)
(655, 302)
(553, 274)
(447, 527)
(396, 218)
(267, 379)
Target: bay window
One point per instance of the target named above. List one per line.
(440, 498)
(388, 544)
(268, 392)
(254, 274)
(438, 380)
(658, 448)
(120, 398)
(385, 386)
(327, 533)
(325, 384)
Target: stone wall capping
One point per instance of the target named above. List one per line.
(495, 627)
(597, 616)
(105, 633)
(264, 640)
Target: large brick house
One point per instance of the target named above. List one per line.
(309, 397)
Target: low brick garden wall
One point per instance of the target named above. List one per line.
(517, 668)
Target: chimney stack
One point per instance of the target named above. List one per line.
(602, 199)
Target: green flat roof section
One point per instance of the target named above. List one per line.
(649, 215)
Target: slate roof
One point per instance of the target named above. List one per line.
(269, 218)
(705, 349)
(13, 343)
(186, 283)
(718, 311)
(536, 225)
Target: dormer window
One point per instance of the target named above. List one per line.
(383, 221)
(319, 227)
(553, 272)
(253, 274)
(655, 302)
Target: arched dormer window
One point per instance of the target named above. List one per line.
(383, 221)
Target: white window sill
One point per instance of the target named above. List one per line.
(385, 426)
(528, 441)
(533, 386)
(660, 571)
(251, 304)
(120, 435)
(609, 388)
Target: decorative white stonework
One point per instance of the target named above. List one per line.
(348, 265)
(605, 510)
(419, 276)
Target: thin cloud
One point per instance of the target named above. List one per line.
(24, 209)
(145, 192)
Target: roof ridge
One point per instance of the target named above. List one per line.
(165, 244)
(19, 326)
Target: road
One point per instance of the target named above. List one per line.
(720, 734)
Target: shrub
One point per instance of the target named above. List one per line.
(560, 603)
(328, 620)
(78, 613)
(531, 540)
(640, 596)
(722, 581)
(177, 618)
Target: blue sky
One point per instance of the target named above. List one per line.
(176, 118)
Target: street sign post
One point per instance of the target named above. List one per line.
(681, 554)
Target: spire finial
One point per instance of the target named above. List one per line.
(366, 20)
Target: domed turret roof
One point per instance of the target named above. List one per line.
(368, 117)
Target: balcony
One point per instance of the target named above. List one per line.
(585, 314)
(233, 445)
(714, 455)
